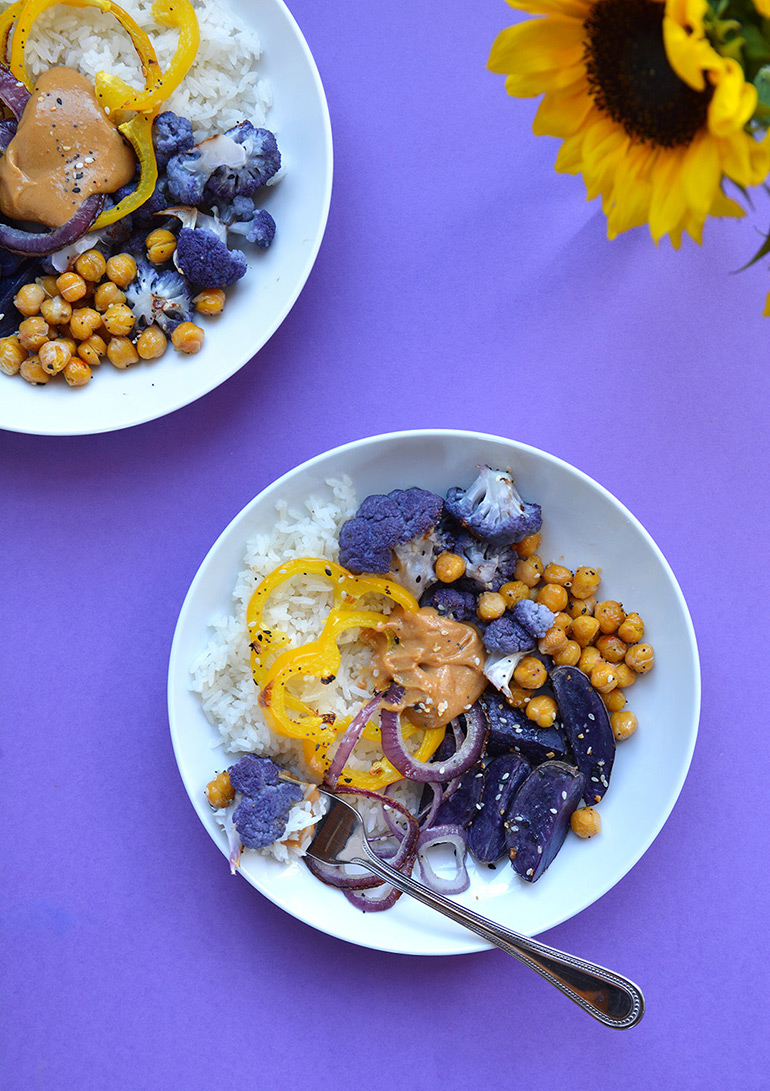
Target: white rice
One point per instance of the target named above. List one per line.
(222, 677)
(222, 88)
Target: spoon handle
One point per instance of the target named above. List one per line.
(607, 996)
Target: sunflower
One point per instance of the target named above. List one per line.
(649, 113)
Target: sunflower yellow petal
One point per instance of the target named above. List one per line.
(632, 191)
(687, 57)
(578, 9)
(701, 173)
(562, 113)
(527, 84)
(744, 159)
(667, 206)
(725, 206)
(733, 101)
(536, 45)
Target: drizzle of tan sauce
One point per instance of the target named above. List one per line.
(438, 661)
(65, 149)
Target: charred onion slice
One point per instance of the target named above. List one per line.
(466, 755)
(39, 243)
(354, 731)
(13, 93)
(374, 903)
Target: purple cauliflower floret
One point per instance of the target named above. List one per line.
(536, 618)
(242, 217)
(453, 602)
(258, 161)
(171, 134)
(492, 509)
(383, 523)
(251, 774)
(485, 562)
(506, 635)
(159, 295)
(205, 260)
(7, 132)
(261, 820)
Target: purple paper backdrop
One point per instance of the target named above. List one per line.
(461, 283)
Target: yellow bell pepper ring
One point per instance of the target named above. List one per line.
(32, 9)
(138, 132)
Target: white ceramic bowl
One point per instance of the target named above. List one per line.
(258, 304)
(583, 524)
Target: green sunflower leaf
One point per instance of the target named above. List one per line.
(761, 253)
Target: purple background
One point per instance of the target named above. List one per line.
(461, 283)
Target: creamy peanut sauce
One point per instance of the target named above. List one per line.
(65, 149)
(438, 661)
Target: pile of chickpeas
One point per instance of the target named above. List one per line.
(75, 321)
(598, 637)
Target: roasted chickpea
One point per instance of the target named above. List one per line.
(529, 545)
(514, 592)
(530, 673)
(160, 244)
(11, 355)
(604, 677)
(449, 567)
(28, 299)
(77, 372)
(640, 658)
(33, 332)
(529, 570)
(589, 657)
(92, 349)
(631, 629)
(56, 310)
(187, 337)
(121, 269)
(623, 724)
(584, 629)
(553, 641)
(542, 710)
(48, 284)
(71, 286)
(31, 370)
(577, 607)
(220, 791)
(554, 596)
(626, 676)
(54, 356)
(490, 605)
(121, 352)
(151, 343)
(84, 322)
(584, 582)
(610, 615)
(585, 822)
(615, 700)
(569, 656)
(91, 265)
(557, 573)
(118, 319)
(612, 648)
(519, 698)
(106, 294)
(210, 301)
(564, 621)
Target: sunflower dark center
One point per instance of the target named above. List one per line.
(631, 79)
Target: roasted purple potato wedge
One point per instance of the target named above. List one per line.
(459, 808)
(503, 776)
(538, 819)
(511, 730)
(586, 723)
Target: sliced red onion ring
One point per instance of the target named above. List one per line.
(40, 243)
(369, 903)
(427, 817)
(13, 92)
(466, 755)
(443, 835)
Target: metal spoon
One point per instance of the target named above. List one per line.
(340, 838)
